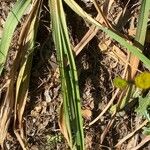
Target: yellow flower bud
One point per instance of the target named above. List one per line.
(143, 80)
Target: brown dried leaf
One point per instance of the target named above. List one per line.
(6, 110)
(62, 124)
(86, 113)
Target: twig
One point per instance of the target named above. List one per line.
(131, 134)
(105, 109)
(107, 129)
(100, 12)
(93, 30)
(143, 142)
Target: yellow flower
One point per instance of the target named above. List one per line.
(143, 80)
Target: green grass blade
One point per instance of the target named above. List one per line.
(133, 49)
(10, 25)
(139, 38)
(142, 22)
(69, 80)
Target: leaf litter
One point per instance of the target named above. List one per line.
(96, 71)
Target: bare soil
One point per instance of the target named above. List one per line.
(96, 70)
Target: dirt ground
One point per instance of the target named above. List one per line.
(97, 66)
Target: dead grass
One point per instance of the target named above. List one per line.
(98, 61)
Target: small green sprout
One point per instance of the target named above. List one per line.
(120, 83)
(143, 80)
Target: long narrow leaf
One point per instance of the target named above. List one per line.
(10, 25)
(142, 22)
(22, 85)
(133, 49)
(69, 81)
(140, 35)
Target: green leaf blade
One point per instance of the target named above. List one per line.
(10, 25)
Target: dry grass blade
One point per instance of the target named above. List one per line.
(107, 129)
(106, 108)
(142, 143)
(62, 124)
(92, 31)
(6, 110)
(131, 134)
(27, 43)
(87, 37)
(100, 12)
(7, 104)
